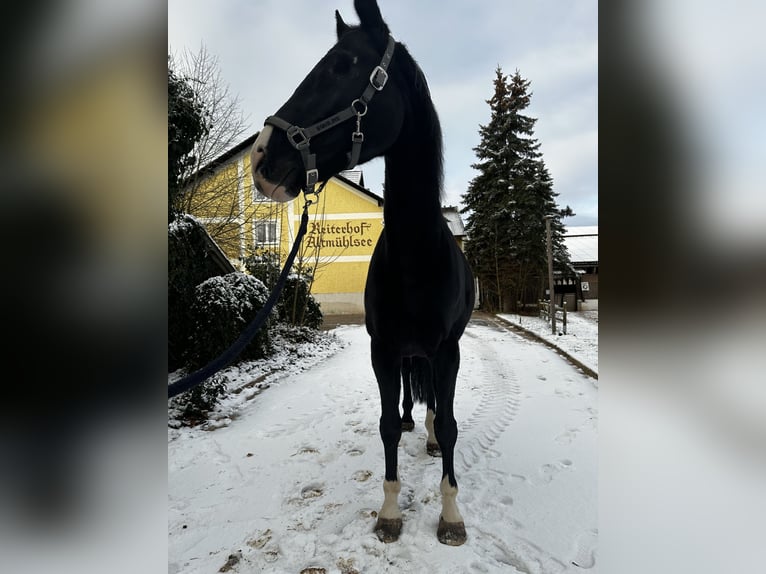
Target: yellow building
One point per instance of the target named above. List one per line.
(343, 230)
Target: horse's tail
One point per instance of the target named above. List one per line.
(421, 380)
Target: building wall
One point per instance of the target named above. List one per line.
(343, 230)
(592, 280)
(344, 227)
(582, 244)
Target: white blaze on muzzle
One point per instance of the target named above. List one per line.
(257, 155)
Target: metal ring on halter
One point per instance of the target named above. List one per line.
(313, 192)
(362, 103)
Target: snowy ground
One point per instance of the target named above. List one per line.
(292, 479)
(580, 341)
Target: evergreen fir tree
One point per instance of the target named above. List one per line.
(487, 222)
(508, 201)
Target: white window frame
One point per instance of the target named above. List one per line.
(271, 227)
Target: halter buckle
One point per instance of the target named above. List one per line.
(297, 137)
(378, 78)
(312, 177)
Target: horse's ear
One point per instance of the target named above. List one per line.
(369, 16)
(340, 26)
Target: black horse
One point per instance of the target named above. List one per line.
(364, 99)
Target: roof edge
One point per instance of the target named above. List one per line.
(359, 188)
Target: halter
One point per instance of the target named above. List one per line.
(300, 138)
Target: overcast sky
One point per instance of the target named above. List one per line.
(266, 47)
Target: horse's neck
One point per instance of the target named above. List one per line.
(412, 210)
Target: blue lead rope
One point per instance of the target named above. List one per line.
(192, 380)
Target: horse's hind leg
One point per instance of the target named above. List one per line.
(407, 423)
(432, 445)
(451, 526)
(387, 367)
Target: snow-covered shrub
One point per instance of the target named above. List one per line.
(188, 266)
(193, 407)
(265, 266)
(222, 308)
(297, 306)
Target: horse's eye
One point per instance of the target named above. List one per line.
(342, 65)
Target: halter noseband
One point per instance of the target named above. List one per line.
(300, 138)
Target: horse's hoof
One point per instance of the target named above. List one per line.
(433, 449)
(408, 425)
(451, 533)
(388, 529)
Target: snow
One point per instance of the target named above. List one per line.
(580, 340)
(291, 478)
(182, 223)
(249, 378)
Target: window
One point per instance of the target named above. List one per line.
(265, 233)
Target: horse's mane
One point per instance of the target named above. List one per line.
(405, 66)
(403, 63)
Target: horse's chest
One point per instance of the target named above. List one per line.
(410, 297)
(413, 323)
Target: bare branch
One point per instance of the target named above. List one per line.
(216, 197)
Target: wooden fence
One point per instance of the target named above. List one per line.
(561, 313)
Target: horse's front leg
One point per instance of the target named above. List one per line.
(387, 365)
(451, 529)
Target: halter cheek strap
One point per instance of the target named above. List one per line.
(300, 138)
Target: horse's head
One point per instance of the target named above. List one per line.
(332, 120)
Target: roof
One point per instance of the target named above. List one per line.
(224, 157)
(582, 243)
(213, 250)
(580, 230)
(342, 176)
(454, 221)
(354, 175)
(216, 253)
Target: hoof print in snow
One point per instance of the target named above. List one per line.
(586, 550)
(362, 475)
(346, 566)
(388, 529)
(548, 471)
(259, 541)
(312, 491)
(408, 425)
(307, 450)
(432, 448)
(451, 533)
(231, 561)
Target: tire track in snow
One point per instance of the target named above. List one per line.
(492, 375)
(499, 403)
